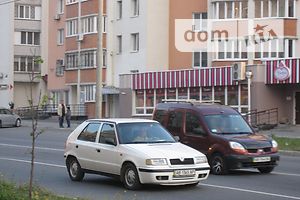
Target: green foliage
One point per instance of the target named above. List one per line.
(10, 191)
(289, 144)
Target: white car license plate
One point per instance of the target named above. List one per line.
(184, 173)
(262, 159)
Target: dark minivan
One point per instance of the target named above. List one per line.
(221, 133)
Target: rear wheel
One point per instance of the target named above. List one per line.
(130, 177)
(74, 170)
(265, 170)
(18, 123)
(218, 165)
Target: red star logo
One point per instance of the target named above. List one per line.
(259, 28)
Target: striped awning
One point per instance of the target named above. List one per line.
(214, 76)
(284, 71)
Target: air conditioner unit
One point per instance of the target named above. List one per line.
(239, 71)
(57, 17)
(80, 37)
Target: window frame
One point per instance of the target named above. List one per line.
(92, 123)
(135, 42)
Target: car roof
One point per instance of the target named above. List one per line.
(122, 120)
(203, 108)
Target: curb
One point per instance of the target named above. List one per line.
(289, 153)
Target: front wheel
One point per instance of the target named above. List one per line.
(265, 170)
(218, 165)
(18, 123)
(74, 170)
(130, 177)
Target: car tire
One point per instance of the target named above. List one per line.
(18, 123)
(130, 177)
(74, 169)
(218, 165)
(265, 170)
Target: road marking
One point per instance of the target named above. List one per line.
(208, 185)
(29, 162)
(29, 147)
(251, 191)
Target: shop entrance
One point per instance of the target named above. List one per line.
(297, 108)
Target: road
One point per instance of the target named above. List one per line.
(50, 173)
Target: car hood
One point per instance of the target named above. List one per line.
(166, 150)
(251, 141)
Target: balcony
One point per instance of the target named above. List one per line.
(26, 76)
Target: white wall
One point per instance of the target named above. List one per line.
(6, 51)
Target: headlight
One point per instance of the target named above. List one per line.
(274, 144)
(237, 147)
(200, 159)
(156, 161)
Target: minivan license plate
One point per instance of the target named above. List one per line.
(262, 159)
(184, 173)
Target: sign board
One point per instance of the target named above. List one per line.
(282, 72)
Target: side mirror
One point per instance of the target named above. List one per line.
(110, 141)
(199, 131)
(177, 138)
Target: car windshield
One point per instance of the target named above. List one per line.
(227, 124)
(144, 132)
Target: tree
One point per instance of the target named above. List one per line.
(34, 119)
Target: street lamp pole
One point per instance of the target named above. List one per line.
(249, 76)
(99, 64)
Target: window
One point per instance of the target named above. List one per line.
(175, 122)
(89, 134)
(220, 94)
(192, 124)
(60, 36)
(27, 12)
(139, 101)
(71, 27)
(230, 9)
(71, 1)
(182, 93)
(119, 43)
(25, 64)
(206, 94)
(232, 95)
(60, 6)
(88, 58)
(104, 59)
(135, 42)
(244, 95)
(107, 133)
(195, 93)
(200, 59)
(119, 9)
(59, 67)
(89, 24)
(289, 45)
(160, 95)
(89, 93)
(135, 7)
(71, 60)
(30, 38)
(104, 23)
(274, 8)
(171, 93)
(199, 21)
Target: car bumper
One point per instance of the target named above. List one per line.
(166, 176)
(248, 161)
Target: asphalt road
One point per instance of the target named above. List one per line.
(50, 173)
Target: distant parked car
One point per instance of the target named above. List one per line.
(136, 151)
(7, 118)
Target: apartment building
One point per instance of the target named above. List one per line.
(73, 39)
(206, 73)
(28, 52)
(6, 53)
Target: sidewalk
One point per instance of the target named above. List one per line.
(282, 130)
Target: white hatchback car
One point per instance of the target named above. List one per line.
(136, 151)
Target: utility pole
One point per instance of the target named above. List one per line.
(79, 32)
(99, 64)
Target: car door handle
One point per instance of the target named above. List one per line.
(76, 146)
(98, 150)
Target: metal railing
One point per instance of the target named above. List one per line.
(266, 119)
(46, 111)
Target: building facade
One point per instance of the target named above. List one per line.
(30, 47)
(6, 53)
(203, 74)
